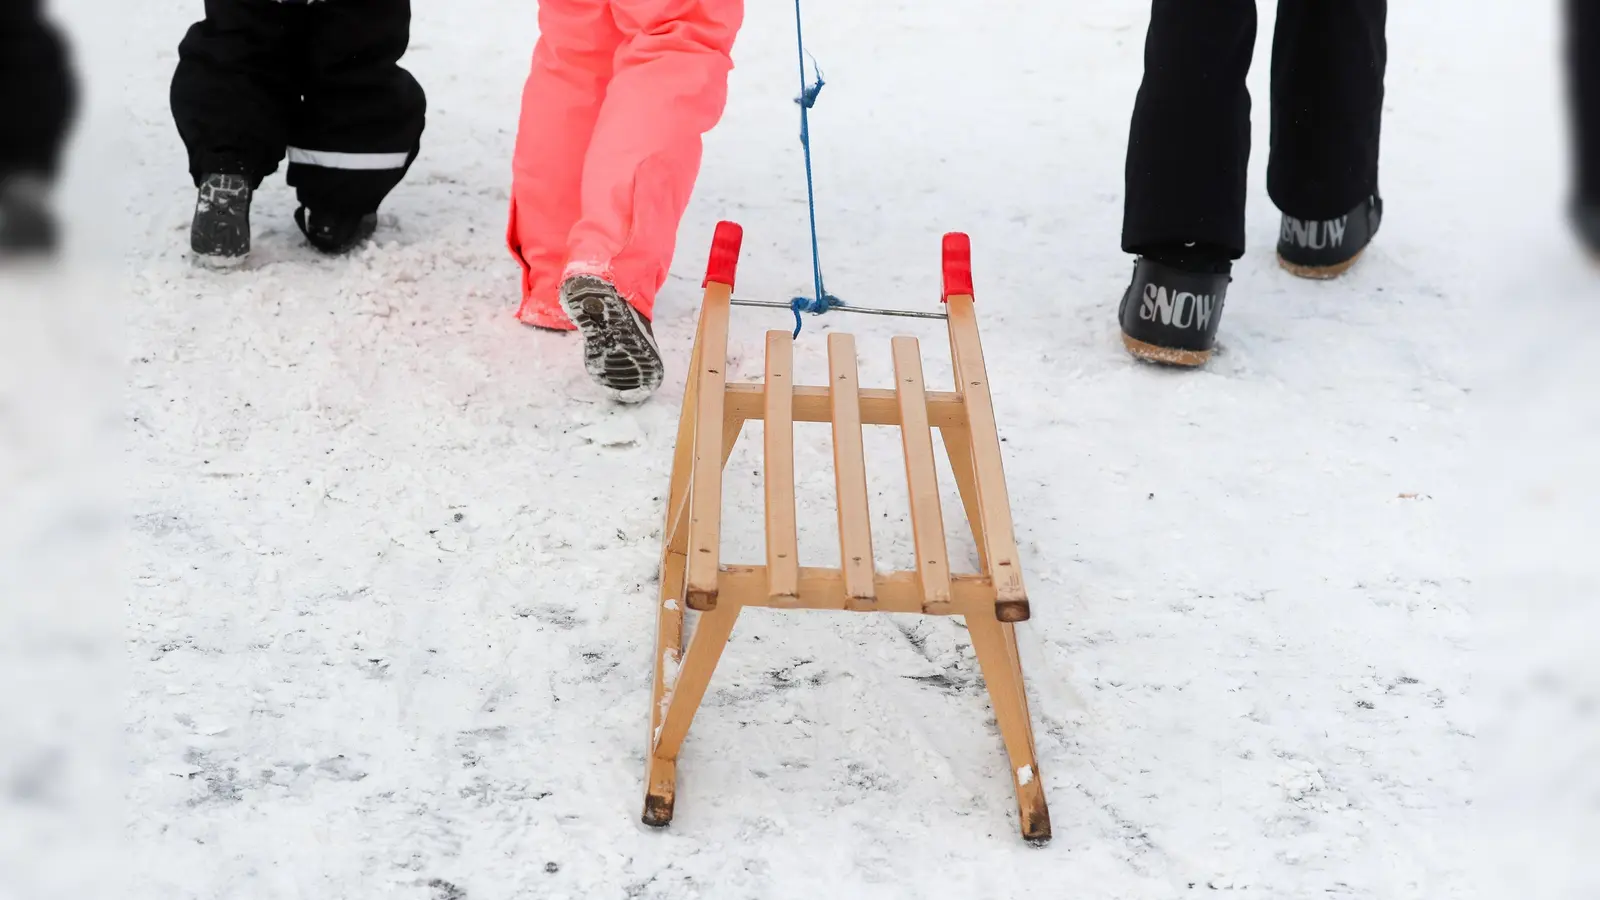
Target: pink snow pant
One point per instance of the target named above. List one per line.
(610, 142)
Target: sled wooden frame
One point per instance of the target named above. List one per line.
(693, 575)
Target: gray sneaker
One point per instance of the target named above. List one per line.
(619, 349)
(220, 232)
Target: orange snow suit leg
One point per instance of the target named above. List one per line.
(560, 105)
(610, 141)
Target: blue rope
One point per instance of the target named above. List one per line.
(821, 301)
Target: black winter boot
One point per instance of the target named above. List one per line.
(1173, 305)
(1327, 249)
(333, 232)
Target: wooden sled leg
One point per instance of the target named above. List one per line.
(974, 449)
(678, 706)
(662, 776)
(997, 658)
(957, 444)
(1030, 797)
(669, 600)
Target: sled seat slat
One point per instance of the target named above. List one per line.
(879, 406)
(922, 480)
(783, 539)
(823, 589)
(850, 474)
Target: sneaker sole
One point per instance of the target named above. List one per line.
(1319, 273)
(618, 353)
(221, 263)
(1166, 356)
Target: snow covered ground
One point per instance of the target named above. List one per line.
(392, 557)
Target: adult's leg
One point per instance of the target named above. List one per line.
(1328, 61)
(1583, 97)
(1189, 144)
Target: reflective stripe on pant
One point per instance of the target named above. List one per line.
(609, 144)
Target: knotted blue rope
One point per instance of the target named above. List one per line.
(820, 301)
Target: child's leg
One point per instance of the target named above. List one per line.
(668, 89)
(234, 86)
(560, 103)
(360, 123)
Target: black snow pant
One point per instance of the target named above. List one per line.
(1189, 145)
(38, 93)
(319, 82)
(1583, 95)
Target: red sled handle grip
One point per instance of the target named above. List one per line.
(724, 262)
(957, 266)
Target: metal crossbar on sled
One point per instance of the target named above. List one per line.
(694, 576)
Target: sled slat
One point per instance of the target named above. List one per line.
(705, 492)
(823, 589)
(878, 406)
(850, 474)
(922, 481)
(994, 503)
(783, 543)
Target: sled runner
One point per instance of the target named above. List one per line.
(693, 576)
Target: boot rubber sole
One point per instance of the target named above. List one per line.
(1320, 273)
(220, 263)
(1166, 356)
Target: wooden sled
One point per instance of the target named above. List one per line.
(693, 575)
